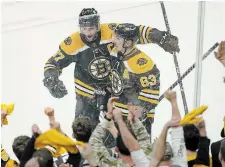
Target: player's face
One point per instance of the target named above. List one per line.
(89, 32)
(118, 42)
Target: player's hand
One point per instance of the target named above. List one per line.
(170, 43)
(55, 86)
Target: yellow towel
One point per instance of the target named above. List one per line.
(57, 141)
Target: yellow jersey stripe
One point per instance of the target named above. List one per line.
(156, 92)
(47, 68)
(120, 105)
(147, 34)
(83, 84)
(123, 105)
(83, 93)
(150, 115)
(148, 100)
(141, 28)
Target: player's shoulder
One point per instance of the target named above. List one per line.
(72, 44)
(140, 63)
(107, 30)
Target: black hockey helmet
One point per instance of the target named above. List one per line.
(127, 31)
(89, 17)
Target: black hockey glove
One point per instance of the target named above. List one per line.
(55, 86)
(168, 42)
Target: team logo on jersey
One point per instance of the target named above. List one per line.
(142, 61)
(117, 83)
(68, 41)
(99, 68)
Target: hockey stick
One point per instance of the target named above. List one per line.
(175, 60)
(190, 69)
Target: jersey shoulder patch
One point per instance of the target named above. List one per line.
(72, 44)
(140, 63)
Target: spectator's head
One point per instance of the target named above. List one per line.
(191, 137)
(123, 151)
(222, 153)
(168, 154)
(44, 156)
(82, 129)
(19, 145)
(33, 162)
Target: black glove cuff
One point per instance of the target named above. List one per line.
(156, 36)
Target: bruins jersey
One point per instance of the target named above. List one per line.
(135, 79)
(6, 161)
(92, 58)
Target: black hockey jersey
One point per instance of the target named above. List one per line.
(92, 59)
(135, 79)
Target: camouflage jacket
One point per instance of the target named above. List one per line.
(100, 152)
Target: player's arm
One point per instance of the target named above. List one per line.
(152, 35)
(61, 59)
(53, 67)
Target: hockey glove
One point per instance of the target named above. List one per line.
(55, 86)
(168, 42)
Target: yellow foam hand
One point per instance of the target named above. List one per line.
(191, 118)
(8, 109)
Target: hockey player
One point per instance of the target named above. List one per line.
(89, 49)
(135, 77)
